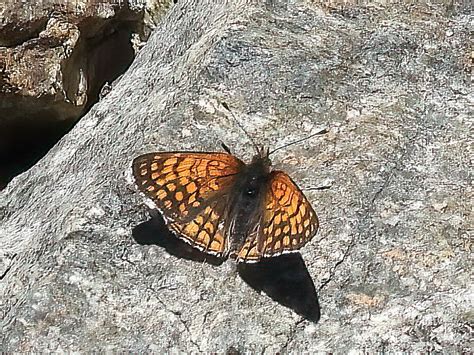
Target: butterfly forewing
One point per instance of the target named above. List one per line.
(190, 190)
(288, 221)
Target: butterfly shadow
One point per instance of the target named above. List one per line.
(285, 278)
(155, 232)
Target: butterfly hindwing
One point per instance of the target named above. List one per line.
(288, 221)
(205, 231)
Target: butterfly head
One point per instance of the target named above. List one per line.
(262, 157)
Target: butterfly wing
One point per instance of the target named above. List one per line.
(191, 191)
(288, 221)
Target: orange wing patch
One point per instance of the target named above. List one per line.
(249, 251)
(190, 189)
(179, 183)
(204, 231)
(289, 221)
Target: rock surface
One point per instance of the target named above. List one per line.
(392, 262)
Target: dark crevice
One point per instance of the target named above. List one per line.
(15, 34)
(336, 265)
(30, 127)
(109, 49)
(2, 276)
(24, 142)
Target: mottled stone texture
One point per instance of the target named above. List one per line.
(392, 262)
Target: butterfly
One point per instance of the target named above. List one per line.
(225, 207)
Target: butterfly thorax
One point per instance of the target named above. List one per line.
(254, 176)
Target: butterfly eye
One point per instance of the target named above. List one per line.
(251, 192)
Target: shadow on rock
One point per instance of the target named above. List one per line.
(284, 278)
(155, 232)
(287, 281)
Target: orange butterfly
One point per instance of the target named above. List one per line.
(222, 206)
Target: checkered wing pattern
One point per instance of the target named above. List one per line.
(288, 221)
(191, 191)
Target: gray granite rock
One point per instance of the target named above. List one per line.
(392, 261)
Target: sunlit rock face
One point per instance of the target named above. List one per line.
(84, 269)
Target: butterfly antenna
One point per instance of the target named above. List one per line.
(241, 127)
(322, 131)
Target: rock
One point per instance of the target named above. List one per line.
(83, 268)
(55, 56)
